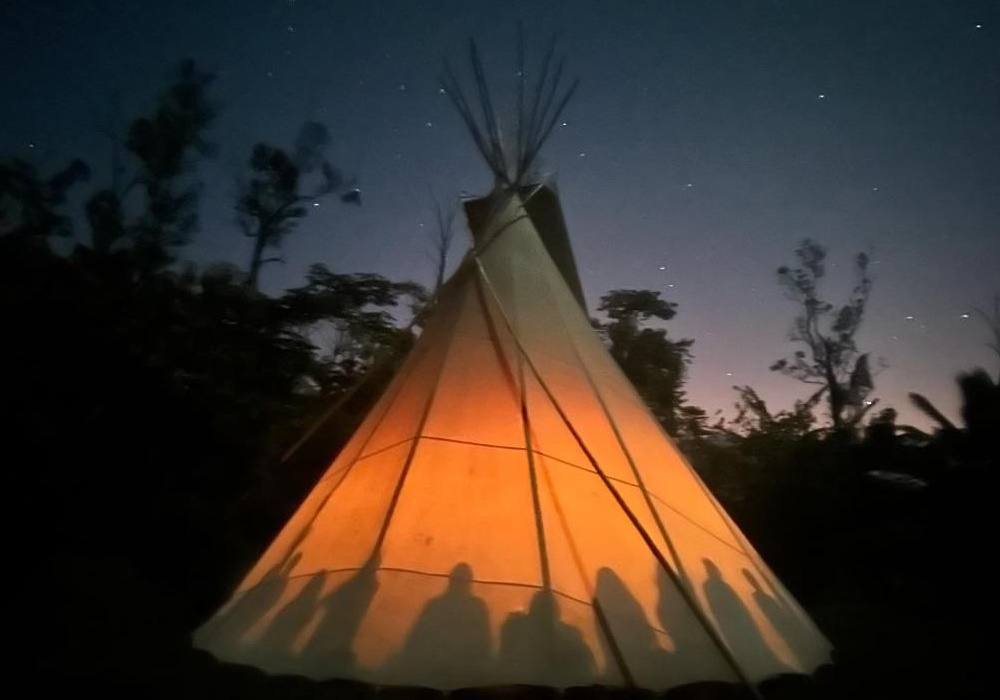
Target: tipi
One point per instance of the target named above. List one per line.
(510, 512)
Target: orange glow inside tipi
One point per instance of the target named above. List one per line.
(510, 512)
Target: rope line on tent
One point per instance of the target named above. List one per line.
(362, 458)
(304, 531)
(581, 570)
(440, 575)
(536, 502)
(543, 555)
(775, 584)
(382, 360)
(685, 593)
(745, 548)
(547, 455)
(554, 458)
(625, 450)
(391, 510)
(397, 389)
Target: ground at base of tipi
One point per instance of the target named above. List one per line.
(199, 676)
(94, 627)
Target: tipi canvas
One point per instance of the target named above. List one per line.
(510, 512)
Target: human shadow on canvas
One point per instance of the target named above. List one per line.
(328, 649)
(629, 638)
(450, 641)
(737, 626)
(228, 631)
(538, 648)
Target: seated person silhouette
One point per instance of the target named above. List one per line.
(449, 644)
(537, 648)
(737, 626)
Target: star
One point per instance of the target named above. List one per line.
(315, 204)
(563, 124)
(291, 29)
(428, 124)
(670, 286)
(729, 374)
(401, 87)
(689, 185)
(583, 154)
(964, 316)
(662, 268)
(979, 26)
(909, 318)
(874, 189)
(821, 96)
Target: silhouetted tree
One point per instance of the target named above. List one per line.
(352, 311)
(32, 206)
(653, 362)
(753, 418)
(272, 202)
(830, 358)
(165, 145)
(974, 445)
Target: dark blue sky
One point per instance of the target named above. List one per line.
(707, 139)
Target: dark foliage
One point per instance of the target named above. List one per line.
(149, 408)
(830, 358)
(654, 363)
(273, 200)
(148, 405)
(32, 207)
(165, 146)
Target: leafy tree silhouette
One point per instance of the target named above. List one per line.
(653, 362)
(165, 145)
(32, 207)
(830, 358)
(973, 446)
(753, 418)
(271, 202)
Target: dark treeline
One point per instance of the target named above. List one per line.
(148, 405)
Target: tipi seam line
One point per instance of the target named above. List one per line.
(714, 633)
(565, 462)
(393, 502)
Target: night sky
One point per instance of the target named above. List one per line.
(706, 140)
